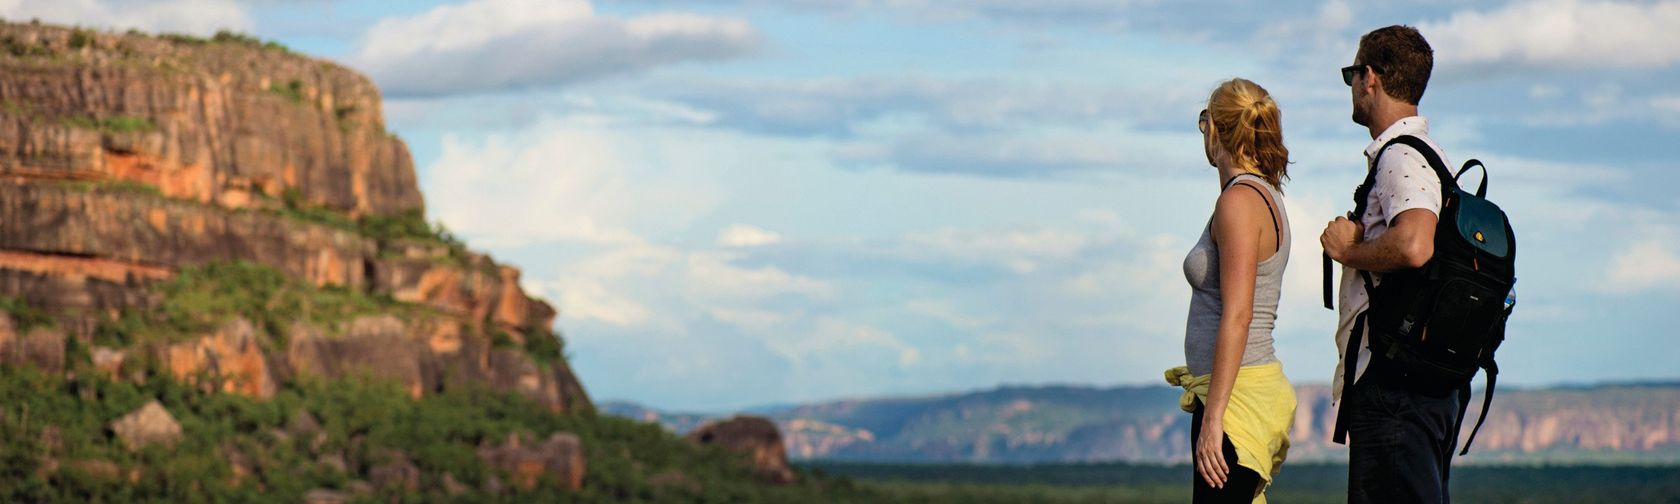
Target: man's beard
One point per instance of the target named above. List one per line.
(1361, 116)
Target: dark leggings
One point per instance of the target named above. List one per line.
(1240, 485)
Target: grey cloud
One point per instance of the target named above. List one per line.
(840, 108)
(1151, 15)
(990, 155)
(549, 54)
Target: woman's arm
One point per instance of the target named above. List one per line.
(1238, 233)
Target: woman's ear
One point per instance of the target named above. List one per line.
(1210, 143)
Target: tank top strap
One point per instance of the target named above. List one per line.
(1277, 230)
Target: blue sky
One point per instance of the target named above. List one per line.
(739, 202)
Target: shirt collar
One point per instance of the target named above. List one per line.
(1412, 125)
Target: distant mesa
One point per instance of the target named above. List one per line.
(1621, 423)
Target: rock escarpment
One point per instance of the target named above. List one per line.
(127, 159)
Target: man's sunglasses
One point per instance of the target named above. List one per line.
(1348, 72)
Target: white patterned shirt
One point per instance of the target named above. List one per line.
(1404, 182)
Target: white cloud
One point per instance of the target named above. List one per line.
(946, 311)
(1543, 91)
(1335, 16)
(592, 299)
(199, 17)
(1667, 108)
(842, 107)
(562, 182)
(490, 45)
(1651, 264)
(712, 275)
(1009, 244)
(1570, 34)
(749, 318)
(1599, 105)
(743, 235)
(599, 287)
(661, 287)
(1669, 103)
(832, 336)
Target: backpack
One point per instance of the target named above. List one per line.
(1436, 325)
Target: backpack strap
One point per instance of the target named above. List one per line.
(1350, 366)
(1492, 370)
(1487, 400)
(1329, 282)
(1362, 195)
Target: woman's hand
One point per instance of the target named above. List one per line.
(1210, 452)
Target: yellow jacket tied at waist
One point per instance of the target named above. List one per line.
(1257, 418)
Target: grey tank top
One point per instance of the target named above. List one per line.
(1201, 268)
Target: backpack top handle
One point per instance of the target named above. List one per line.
(1481, 191)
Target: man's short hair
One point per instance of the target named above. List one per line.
(1402, 57)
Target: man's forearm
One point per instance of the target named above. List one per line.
(1383, 254)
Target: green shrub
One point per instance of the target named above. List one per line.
(118, 186)
(292, 91)
(25, 316)
(80, 38)
(183, 39)
(543, 346)
(233, 37)
(111, 124)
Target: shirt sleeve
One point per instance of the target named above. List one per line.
(1404, 182)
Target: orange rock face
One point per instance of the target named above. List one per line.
(429, 354)
(212, 123)
(151, 235)
(125, 158)
(230, 356)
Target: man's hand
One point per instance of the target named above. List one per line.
(1339, 235)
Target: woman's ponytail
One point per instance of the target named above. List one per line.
(1251, 128)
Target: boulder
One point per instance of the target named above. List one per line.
(559, 457)
(103, 470)
(42, 347)
(325, 496)
(755, 437)
(397, 472)
(150, 424)
(452, 487)
(109, 361)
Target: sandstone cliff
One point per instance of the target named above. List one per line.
(127, 159)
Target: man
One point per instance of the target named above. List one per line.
(1401, 436)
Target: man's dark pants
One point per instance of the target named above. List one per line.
(1400, 441)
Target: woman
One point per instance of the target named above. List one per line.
(1241, 402)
